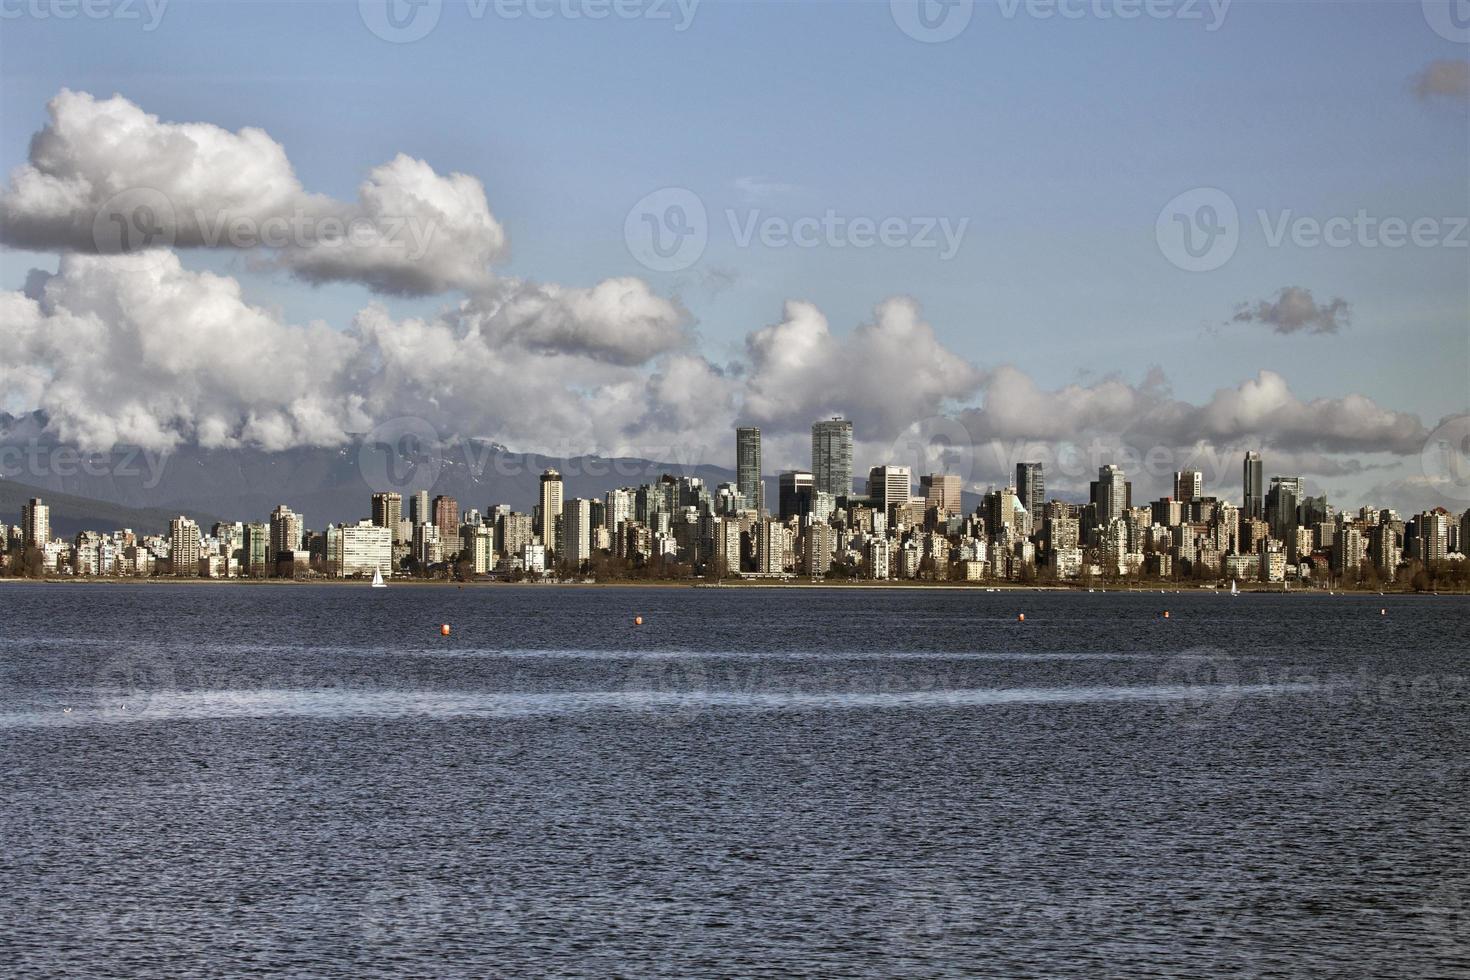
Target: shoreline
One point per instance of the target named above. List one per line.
(735, 585)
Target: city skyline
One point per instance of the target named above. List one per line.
(492, 290)
(678, 526)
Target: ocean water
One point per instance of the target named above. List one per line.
(225, 780)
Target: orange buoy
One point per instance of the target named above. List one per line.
(1021, 618)
(637, 620)
(444, 630)
(1166, 614)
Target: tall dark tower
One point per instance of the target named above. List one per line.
(1254, 502)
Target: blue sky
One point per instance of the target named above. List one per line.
(1059, 140)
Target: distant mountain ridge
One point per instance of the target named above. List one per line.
(325, 485)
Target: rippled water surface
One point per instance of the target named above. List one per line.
(217, 780)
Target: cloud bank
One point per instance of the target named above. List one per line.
(124, 345)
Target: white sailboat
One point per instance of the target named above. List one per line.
(1233, 589)
(378, 582)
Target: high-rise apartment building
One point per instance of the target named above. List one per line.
(285, 532)
(255, 550)
(576, 518)
(35, 523)
(1031, 489)
(446, 519)
(1112, 494)
(832, 457)
(388, 512)
(183, 547)
(748, 467)
(550, 510)
(1254, 503)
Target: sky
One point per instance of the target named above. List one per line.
(1158, 233)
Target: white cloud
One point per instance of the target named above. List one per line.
(104, 176)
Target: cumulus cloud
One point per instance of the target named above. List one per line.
(884, 375)
(1444, 79)
(104, 176)
(134, 349)
(621, 321)
(1293, 310)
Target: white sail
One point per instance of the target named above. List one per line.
(1233, 589)
(378, 582)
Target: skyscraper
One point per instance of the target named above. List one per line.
(35, 523)
(550, 510)
(795, 494)
(1281, 505)
(942, 490)
(1112, 494)
(446, 519)
(890, 486)
(1031, 489)
(285, 532)
(183, 547)
(577, 522)
(388, 512)
(418, 507)
(1189, 485)
(832, 457)
(1254, 503)
(748, 467)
